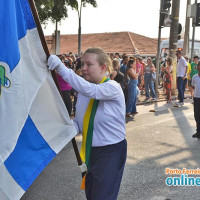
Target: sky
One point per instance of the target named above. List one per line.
(137, 16)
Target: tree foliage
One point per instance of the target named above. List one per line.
(44, 8)
(92, 2)
(55, 10)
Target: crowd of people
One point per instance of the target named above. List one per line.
(185, 72)
(136, 77)
(133, 74)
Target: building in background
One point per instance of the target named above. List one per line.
(122, 42)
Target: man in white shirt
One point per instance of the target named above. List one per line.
(181, 76)
(196, 87)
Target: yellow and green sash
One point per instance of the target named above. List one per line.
(87, 133)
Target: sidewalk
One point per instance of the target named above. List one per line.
(161, 96)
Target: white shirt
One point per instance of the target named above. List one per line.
(196, 84)
(109, 122)
(181, 68)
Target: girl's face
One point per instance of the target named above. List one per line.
(91, 70)
(148, 61)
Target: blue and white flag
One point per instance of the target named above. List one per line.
(34, 124)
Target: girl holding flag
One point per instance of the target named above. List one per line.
(100, 117)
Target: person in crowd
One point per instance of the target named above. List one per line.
(138, 93)
(119, 77)
(112, 56)
(65, 88)
(142, 74)
(117, 56)
(100, 102)
(75, 93)
(193, 72)
(116, 74)
(124, 65)
(124, 54)
(62, 57)
(162, 75)
(131, 58)
(149, 83)
(65, 59)
(78, 63)
(139, 71)
(66, 62)
(168, 79)
(181, 76)
(196, 87)
(185, 82)
(132, 89)
(159, 68)
(70, 53)
(70, 64)
(73, 57)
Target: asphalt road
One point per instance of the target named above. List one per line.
(156, 140)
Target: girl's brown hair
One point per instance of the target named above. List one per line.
(169, 60)
(115, 63)
(103, 58)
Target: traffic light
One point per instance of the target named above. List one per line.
(165, 20)
(166, 4)
(179, 31)
(162, 18)
(197, 18)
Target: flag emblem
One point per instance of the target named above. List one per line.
(4, 81)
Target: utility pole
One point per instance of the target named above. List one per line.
(187, 31)
(79, 28)
(158, 49)
(193, 34)
(173, 40)
(57, 40)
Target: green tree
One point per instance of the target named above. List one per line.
(44, 8)
(56, 10)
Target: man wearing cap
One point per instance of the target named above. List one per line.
(181, 76)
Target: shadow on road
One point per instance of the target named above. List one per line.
(152, 147)
(158, 146)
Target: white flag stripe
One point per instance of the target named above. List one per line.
(32, 64)
(48, 107)
(23, 91)
(9, 189)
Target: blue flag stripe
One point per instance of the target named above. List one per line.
(30, 156)
(15, 20)
(30, 23)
